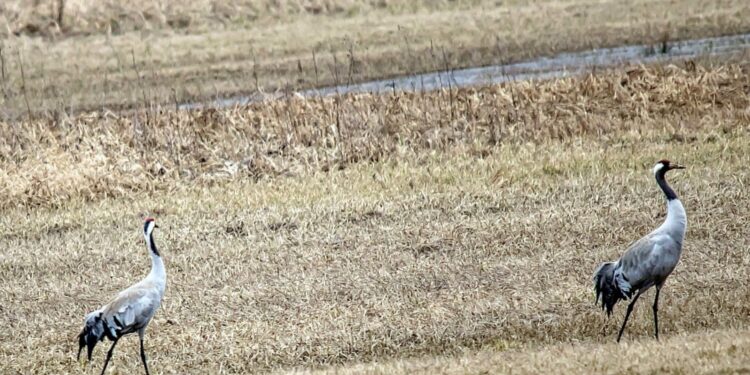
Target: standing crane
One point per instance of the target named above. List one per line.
(647, 262)
(131, 310)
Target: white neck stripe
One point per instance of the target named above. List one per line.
(658, 167)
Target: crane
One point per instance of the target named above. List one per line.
(647, 262)
(131, 310)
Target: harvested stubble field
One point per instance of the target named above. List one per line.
(452, 231)
(130, 54)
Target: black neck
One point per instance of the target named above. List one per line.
(152, 245)
(662, 181)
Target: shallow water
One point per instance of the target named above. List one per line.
(562, 65)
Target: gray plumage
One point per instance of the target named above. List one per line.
(647, 262)
(130, 311)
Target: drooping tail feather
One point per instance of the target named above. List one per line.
(92, 333)
(606, 288)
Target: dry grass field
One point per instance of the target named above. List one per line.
(140, 53)
(453, 231)
(705, 352)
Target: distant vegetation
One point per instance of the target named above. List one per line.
(148, 60)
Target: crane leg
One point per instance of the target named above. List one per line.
(656, 313)
(143, 352)
(109, 356)
(627, 315)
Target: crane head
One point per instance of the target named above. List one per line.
(149, 225)
(665, 165)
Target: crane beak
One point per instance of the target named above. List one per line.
(678, 166)
(156, 226)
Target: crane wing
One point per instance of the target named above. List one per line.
(636, 253)
(647, 261)
(131, 309)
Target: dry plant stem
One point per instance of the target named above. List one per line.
(139, 79)
(2, 71)
(23, 85)
(315, 65)
(60, 13)
(450, 82)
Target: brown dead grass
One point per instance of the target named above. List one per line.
(710, 352)
(159, 65)
(434, 239)
(102, 155)
(40, 17)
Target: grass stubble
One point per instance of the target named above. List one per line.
(450, 231)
